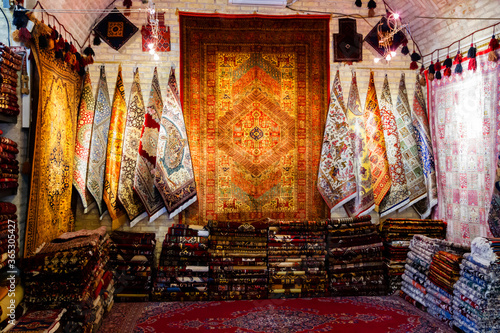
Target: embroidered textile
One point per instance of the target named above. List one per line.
(82, 144)
(364, 202)
(375, 143)
(135, 118)
(336, 180)
(174, 177)
(115, 29)
(49, 210)
(255, 106)
(398, 195)
(114, 153)
(99, 142)
(146, 161)
(415, 180)
(464, 117)
(424, 144)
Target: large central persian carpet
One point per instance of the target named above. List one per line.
(350, 314)
(49, 211)
(255, 96)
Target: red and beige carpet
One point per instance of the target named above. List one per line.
(348, 314)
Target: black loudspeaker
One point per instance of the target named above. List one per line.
(347, 44)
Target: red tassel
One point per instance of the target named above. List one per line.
(24, 35)
(472, 64)
(67, 57)
(447, 71)
(127, 3)
(493, 45)
(72, 48)
(413, 65)
(458, 59)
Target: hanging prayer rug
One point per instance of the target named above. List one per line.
(255, 94)
(49, 210)
(99, 142)
(135, 118)
(364, 202)
(82, 144)
(424, 144)
(174, 175)
(336, 180)
(375, 143)
(398, 195)
(415, 179)
(464, 117)
(146, 161)
(114, 154)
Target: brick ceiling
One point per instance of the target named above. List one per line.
(429, 34)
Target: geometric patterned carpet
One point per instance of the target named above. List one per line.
(327, 314)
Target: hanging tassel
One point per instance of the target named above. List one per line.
(43, 42)
(24, 35)
(72, 48)
(54, 34)
(437, 67)
(458, 61)
(89, 51)
(432, 71)
(493, 45)
(422, 69)
(404, 49)
(97, 40)
(66, 46)
(15, 36)
(471, 54)
(358, 3)
(127, 4)
(414, 58)
(19, 17)
(371, 8)
(447, 64)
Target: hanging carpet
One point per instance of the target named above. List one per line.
(82, 144)
(144, 184)
(422, 132)
(364, 202)
(398, 195)
(99, 142)
(174, 177)
(114, 154)
(135, 118)
(336, 180)
(255, 96)
(49, 209)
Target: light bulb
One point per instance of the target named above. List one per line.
(151, 45)
(152, 51)
(393, 54)
(388, 57)
(396, 16)
(376, 60)
(156, 57)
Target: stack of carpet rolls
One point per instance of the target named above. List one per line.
(476, 296)
(71, 273)
(297, 253)
(9, 166)
(38, 321)
(355, 262)
(132, 260)
(10, 64)
(238, 259)
(182, 273)
(396, 235)
(444, 272)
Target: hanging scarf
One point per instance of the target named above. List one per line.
(413, 168)
(174, 175)
(114, 154)
(398, 195)
(146, 161)
(336, 180)
(375, 143)
(97, 157)
(364, 202)
(82, 144)
(423, 138)
(135, 118)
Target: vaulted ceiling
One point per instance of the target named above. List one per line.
(428, 33)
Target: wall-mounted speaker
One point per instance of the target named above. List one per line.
(347, 44)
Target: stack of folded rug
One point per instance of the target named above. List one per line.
(9, 166)
(476, 296)
(355, 262)
(297, 252)
(182, 273)
(71, 273)
(39, 321)
(396, 234)
(238, 259)
(132, 260)
(10, 64)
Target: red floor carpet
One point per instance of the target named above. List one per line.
(351, 314)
